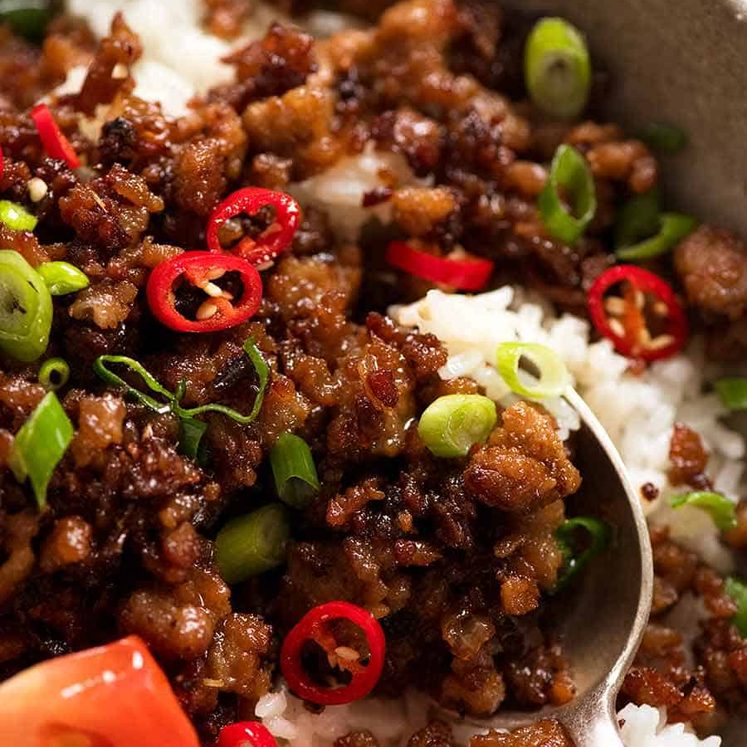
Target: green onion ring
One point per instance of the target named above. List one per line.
(637, 218)
(673, 228)
(717, 506)
(16, 217)
(249, 545)
(293, 468)
(25, 308)
(557, 69)
(733, 392)
(600, 534)
(54, 373)
(553, 375)
(569, 175)
(452, 424)
(40, 444)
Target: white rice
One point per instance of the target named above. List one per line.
(340, 189)
(645, 726)
(191, 61)
(638, 411)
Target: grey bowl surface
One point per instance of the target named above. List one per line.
(682, 62)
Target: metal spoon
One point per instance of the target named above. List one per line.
(603, 618)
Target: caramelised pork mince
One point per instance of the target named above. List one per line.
(215, 444)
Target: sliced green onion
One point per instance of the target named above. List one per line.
(557, 68)
(252, 544)
(737, 590)
(598, 538)
(28, 18)
(663, 137)
(25, 308)
(570, 178)
(719, 507)
(54, 373)
(637, 219)
(673, 228)
(63, 278)
(263, 374)
(553, 377)
(40, 444)
(294, 470)
(192, 429)
(100, 367)
(733, 392)
(452, 424)
(16, 217)
(190, 437)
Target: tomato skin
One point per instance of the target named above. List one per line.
(111, 696)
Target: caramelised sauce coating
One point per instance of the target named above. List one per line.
(454, 556)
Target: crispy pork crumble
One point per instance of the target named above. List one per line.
(454, 557)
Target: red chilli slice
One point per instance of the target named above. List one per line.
(56, 145)
(469, 274)
(200, 269)
(627, 327)
(249, 201)
(246, 733)
(314, 626)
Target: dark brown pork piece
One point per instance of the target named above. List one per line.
(712, 265)
(545, 733)
(524, 465)
(688, 458)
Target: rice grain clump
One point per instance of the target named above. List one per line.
(644, 726)
(189, 64)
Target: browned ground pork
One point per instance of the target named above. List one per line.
(712, 265)
(454, 557)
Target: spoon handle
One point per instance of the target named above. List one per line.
(602, 733)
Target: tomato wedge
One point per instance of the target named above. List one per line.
(111, 696)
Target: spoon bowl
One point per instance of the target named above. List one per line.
(601, 618)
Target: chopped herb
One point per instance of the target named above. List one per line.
(293, 467)
(192, 429)
(40, 444)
